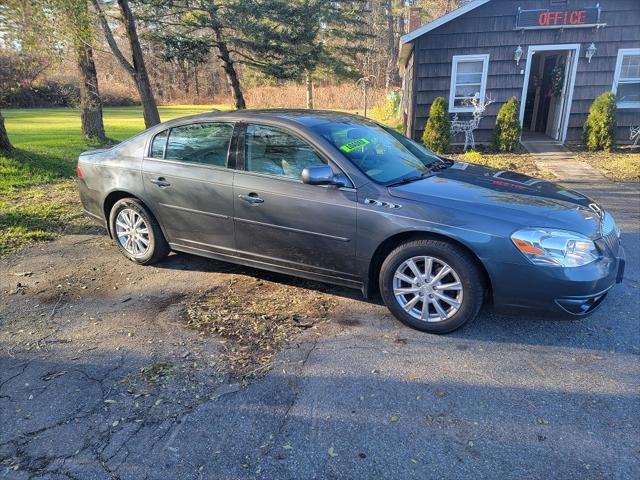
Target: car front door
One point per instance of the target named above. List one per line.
(282, 221)
(188, 182)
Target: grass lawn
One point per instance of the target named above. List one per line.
(617, 166)
(517, 162)
(48, 140)
(38, 198)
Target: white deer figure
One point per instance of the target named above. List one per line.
(468, 126)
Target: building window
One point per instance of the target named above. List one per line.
(626, 81)
(468, 81)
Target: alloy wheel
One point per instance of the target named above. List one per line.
(428, 289)
(132, 232)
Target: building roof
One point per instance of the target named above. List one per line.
(406, 41)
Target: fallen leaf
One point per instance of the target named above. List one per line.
(287, 446)
(332, 452)
(394, 418)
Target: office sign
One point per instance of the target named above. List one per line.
(549, 18)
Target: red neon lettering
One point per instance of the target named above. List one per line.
(543, 19)
(575, 17)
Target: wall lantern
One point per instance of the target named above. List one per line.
(517, 55)
(591, 51)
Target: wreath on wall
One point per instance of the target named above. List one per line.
(557, 80)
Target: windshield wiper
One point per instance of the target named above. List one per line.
(413, 178)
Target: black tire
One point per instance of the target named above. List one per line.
(157, 249)
(465, 267)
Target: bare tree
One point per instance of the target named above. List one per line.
(80, 28)
(136, 68)
(90, 101)
(5, 144)
(393, 75)
(38, 25)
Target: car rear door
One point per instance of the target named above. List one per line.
(282, 221)
(190, 187)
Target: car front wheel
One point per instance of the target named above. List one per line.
(432, 285)
(137, 232)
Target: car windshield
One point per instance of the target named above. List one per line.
(382, 154)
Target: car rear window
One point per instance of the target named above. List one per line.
(206, 143)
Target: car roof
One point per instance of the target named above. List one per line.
(297, 116)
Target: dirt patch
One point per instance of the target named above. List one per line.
(254, 319)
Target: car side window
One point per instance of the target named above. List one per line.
(271, 151)
(157, 147)
(206, 143)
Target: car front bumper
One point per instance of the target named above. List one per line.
(560, 292)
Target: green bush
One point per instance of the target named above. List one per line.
(506, 134)
(437, 135)
(600, 127)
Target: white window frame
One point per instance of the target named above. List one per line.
(616, 77)
(454, 73)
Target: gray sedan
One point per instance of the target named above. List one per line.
(342, 199)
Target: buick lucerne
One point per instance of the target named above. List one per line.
(342, 199)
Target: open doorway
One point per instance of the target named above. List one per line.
(547, 92)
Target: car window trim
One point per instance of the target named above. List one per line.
(240, 153)
(164, 158)
(190, 164)
(149, 147)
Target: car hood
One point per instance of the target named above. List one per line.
(505, 195)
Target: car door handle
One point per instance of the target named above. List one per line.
(252, 198)
(161, 182)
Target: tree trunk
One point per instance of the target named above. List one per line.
(90, 102)
(5, 144)
(393, 76)
(229, 69)
(309, 84)
(149, 108)
(196, 83)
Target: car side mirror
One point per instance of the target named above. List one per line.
(322, 175)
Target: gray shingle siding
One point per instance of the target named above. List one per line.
(491, 29)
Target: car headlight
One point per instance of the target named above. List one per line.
(555, 247)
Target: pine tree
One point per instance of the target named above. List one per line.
(437, 134)
(600, 127)
(214, 21)
(506, 135)
(300, 39)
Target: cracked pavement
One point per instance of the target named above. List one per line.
(100, 379)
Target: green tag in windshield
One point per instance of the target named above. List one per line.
(354, 144)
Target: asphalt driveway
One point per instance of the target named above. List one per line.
(100, 379)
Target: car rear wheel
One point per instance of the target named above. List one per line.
(431, 285)
(136, 232)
